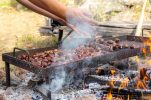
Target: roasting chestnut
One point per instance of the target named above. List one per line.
(119, 46)
(99, 40)
(132, 46)
(116, 47)
(46, 54)
(23, 57)
(110, 42)
(50, 62)
(97, 50)
(125, 46)
(36, 63)
(117, 40)
(97, 46)
(44, 64)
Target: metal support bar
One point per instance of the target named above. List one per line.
(60, 42)
(60, 35)
(7, 69)
(49, 95)
(14, 52)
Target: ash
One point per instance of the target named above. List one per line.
(20, 89)
(85, 93)
(23, 89)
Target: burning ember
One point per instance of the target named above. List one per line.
(141, 85)
(128, 97)
(109, 96)
(124, 83)
(119, 83)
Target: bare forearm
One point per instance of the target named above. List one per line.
(55, 7)
(39, 4)
(39, 10)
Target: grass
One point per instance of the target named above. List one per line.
(16, 24)
(34, 41)
(5, 3)
(8, 3)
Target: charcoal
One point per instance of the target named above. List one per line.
(149, 85)
(148, 72)
(100, 71)
(115, 48)
(100, 40)
(132, 74)
(121, 65)
(132, 46)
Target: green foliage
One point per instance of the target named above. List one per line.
(12, 3)
(5, 3)
(33, 41)
(8, 3)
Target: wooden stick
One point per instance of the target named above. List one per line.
(140, 23)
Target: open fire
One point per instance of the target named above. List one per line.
(112, 87)
(106, 82)
(140, 82)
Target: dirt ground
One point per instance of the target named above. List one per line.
(14, 24)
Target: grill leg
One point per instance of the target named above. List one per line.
(7, 69)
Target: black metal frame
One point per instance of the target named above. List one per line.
(9, 58)
(7, 70)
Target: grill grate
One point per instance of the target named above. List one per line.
(10, 58)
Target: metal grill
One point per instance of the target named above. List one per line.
(10, 58)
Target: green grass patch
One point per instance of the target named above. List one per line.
(5, 3)
(28, 41)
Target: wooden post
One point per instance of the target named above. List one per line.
(139, 26)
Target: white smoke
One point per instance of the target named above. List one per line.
(58, 81)
(88, 4)
(72, 42)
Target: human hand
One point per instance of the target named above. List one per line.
(80, 20)
(76, 15)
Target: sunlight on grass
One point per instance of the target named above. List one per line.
(8, 2)
(34, 41)
(5, 3)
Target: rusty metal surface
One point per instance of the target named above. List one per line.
(86, 62)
